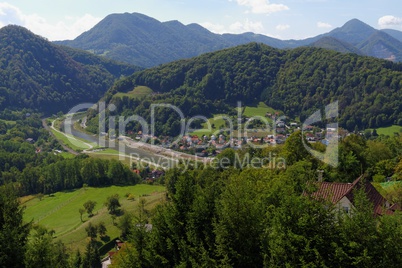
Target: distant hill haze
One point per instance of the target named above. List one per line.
(141, 40)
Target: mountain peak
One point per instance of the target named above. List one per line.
(353, 31)
(356, 25)
(145, 41)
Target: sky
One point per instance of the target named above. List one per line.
(283, 19)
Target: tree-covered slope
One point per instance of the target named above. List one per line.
(296, 81)
(41, 76)
(394, 33)
(381, 45)
(144, 41)
(334, 44)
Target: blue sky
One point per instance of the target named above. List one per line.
(284, 19)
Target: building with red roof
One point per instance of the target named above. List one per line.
(342, 196)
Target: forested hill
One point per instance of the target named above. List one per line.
(297, 81)
(48, 78)
(144, 41)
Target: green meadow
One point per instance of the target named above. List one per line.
(71, 141)
(389, 130)
(218, 122)
(59, 211)
(260, 110)
(138, 92)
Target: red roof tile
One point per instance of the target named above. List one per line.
(334, 192)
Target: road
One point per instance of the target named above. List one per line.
(142, 153)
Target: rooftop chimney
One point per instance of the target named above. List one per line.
(320, 174)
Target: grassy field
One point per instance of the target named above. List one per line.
(215, 124)
(389, 130)
(67, 155)
(137, 93)
(111, 154)
(249, 111)
(260, 110)
(71, 141)
(107, 151)
(59, 212)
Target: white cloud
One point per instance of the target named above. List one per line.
(390, 22)
(69, 28)
(246, 26)
(215, 28)
(261, 6)
(321, 24)
(282, 27)
(236, 27)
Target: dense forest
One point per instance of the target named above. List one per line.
(30, 165)
(29, 162)
(44, 77)
(240, 215)
(258, 218)
(248, 217)
(297, 82)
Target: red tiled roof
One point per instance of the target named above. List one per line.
(334, 192)
(375, 198)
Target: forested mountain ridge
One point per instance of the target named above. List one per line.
(48, 78)
(332, 43)
(144, 41)
(147, 42)
(297, 81)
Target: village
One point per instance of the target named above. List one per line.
(212, 144)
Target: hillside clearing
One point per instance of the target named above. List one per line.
(59, 212)
(138, 92)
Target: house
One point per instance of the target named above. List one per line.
(308, 128)
(280, 130)
(280, 124)
(108, 259)
(342, 196)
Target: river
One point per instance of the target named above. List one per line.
(141, 156)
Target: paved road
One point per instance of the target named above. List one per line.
(140, 152)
